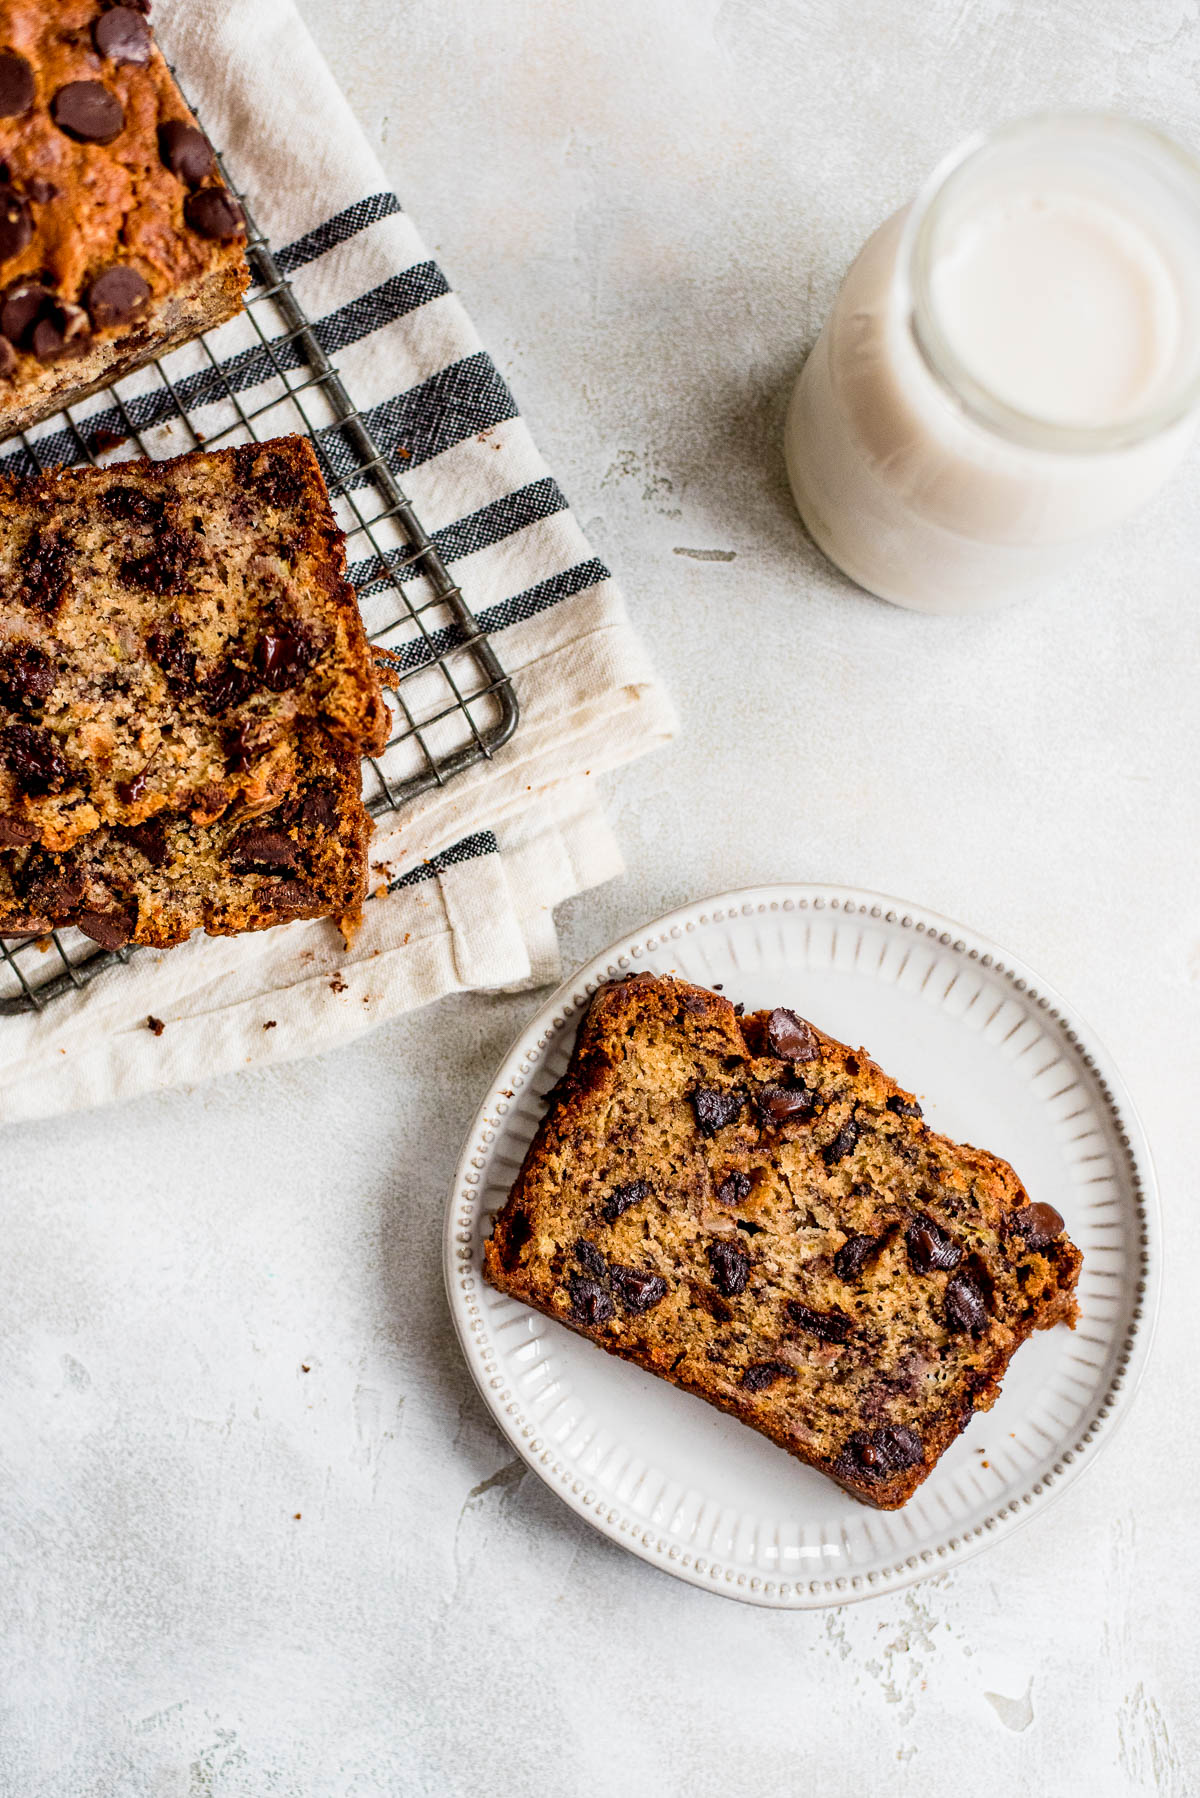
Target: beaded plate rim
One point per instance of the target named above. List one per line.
(561, 1010)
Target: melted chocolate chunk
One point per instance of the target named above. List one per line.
(33, 758)
(257, 851)
(715, 1110)
(281, 656)
(14, 834)
(26, 675)
(119, 293)
(777, 1104)
(734, 1189)
(637, 1289)
(16, 85)
(215, 214)
(131, 505)
(23, 305)
(1039, 1224)
(966, 1311)
(292, 895)
(904, 1108)
(45, 576)
(622, 1197)
(165, 567)
(111, 929)
(791, 1037)
(842, 1144)
(168, 647)
(65, 330)
(872, 1456)
(853, 1256)
(123, 36)
(826, 1326)
(730, 1267)
(589, 1301)
(518, 1233)
(229, 686)
(16, 223)
(590, 1259)
(88, 112)
(318, 808)
(761, 1374)
(148, 838)
(186, 152)
(929, 1247)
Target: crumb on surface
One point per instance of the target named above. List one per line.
(337, 984)
(270, 1024)
(155, 1026)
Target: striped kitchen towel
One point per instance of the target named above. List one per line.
(467, 874)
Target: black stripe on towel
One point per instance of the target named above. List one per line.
(480, 530)
(537, 599)
(483, 842)
(456, 403)
(336, 230)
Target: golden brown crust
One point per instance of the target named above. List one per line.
(757, 1213)
(166, 630)
(83, 208)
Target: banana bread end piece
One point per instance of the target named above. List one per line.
(757, 1213)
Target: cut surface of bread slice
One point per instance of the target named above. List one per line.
(759, 1214)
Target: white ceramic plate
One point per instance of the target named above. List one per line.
(997, 1059)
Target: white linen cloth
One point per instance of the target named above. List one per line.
(473, 869)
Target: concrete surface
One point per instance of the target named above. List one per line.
(256, 1534)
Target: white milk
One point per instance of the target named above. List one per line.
(1012, 365)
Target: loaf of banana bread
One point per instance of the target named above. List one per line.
(166, 631)
(118, 238)
(158, 881)
(757, 1213)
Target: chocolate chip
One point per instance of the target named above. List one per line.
(26, 675)
(853, 1256)
(517, 1232)
(168, 647)
(165, 568)
(965, 1308)
(111, 929)
(255, 850)
(88, 112)
(1039, 1224)
(791, 1037)
(291, 895)
(16, 85)
(776, 1104)
(228, 686)
(64, 331)
(930, 1249)
(123, 35)
(730, 1268)
(214, 213)
(129, 504)
(826, 1326)
(761, 1374)
(714, 1109)
(734, 1190)
(16, 223)
(842, 1144)
(45, 576)
(904, 1108)
(590, 1259)
(33, 758)
(622, 1197)
(186, 151)
(239, 741)
(149, 838)
(874, 1455)
(14, 834)
(23, 305)
(589, 1301)
(40, 192)
(280, 657)
(118, 293)
(318, 809)
(638, 1290)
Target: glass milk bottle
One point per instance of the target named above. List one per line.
(1012, 365)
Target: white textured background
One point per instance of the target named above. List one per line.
(647, 205)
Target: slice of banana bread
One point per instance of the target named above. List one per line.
(166, 629)
(758, 1213)
(158, 881)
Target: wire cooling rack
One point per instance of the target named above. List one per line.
(264, 375)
